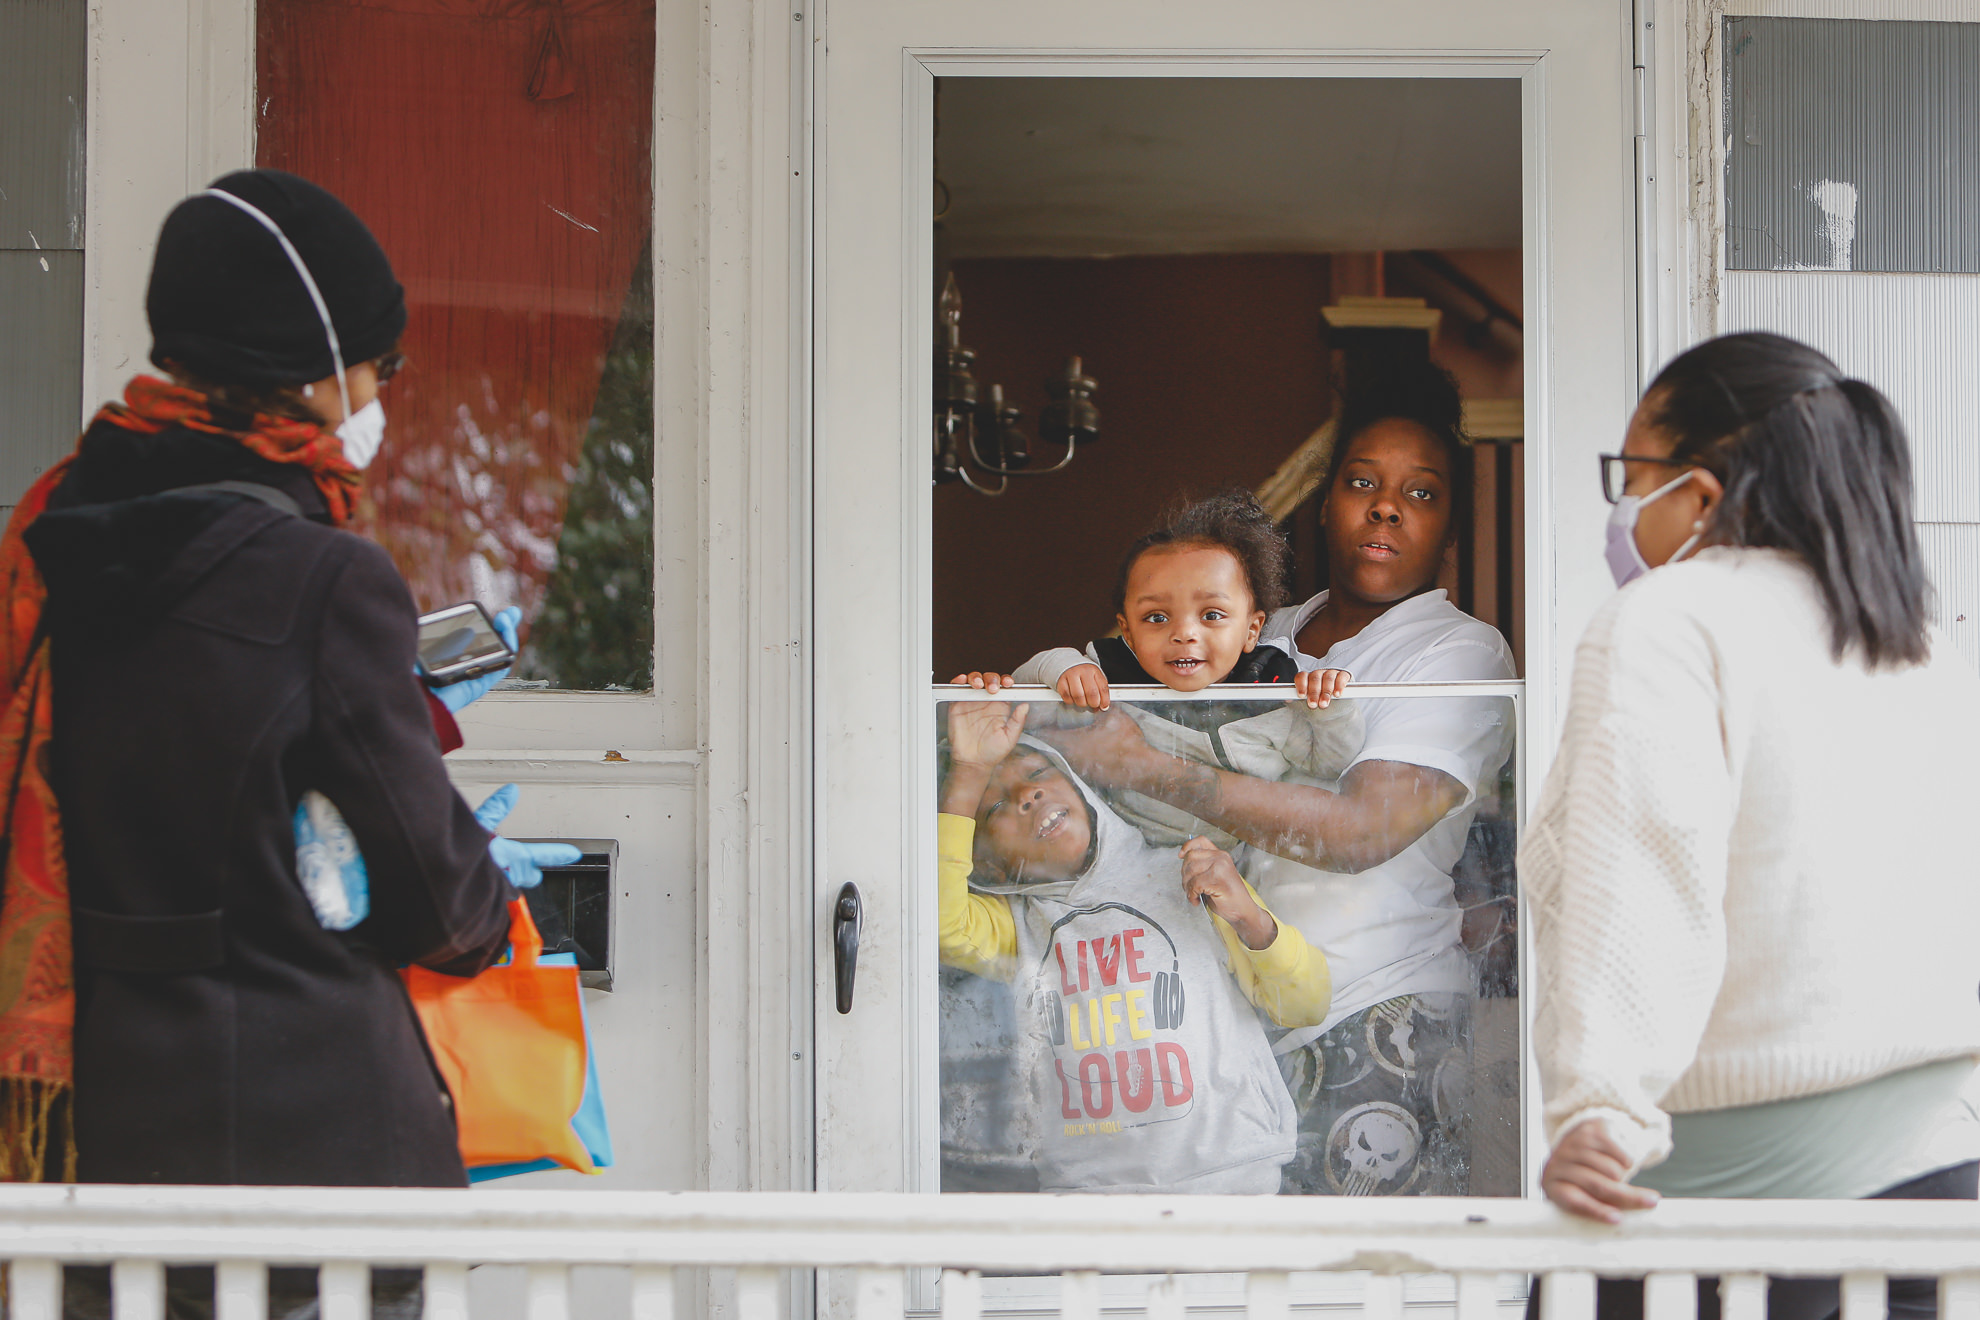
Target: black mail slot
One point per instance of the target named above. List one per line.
(573, 908)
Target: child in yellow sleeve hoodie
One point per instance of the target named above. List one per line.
(1132, 966)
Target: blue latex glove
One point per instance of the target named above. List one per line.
(456, 696)
(524, 862)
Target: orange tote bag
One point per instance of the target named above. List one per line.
(511, 1045)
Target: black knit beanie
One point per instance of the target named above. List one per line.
(227, 305)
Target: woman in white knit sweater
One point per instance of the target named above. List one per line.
(1751, 872)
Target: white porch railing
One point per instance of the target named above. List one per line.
(875, 1244)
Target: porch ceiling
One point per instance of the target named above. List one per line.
(1131, 166)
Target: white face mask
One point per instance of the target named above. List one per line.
(363, 432)
(1626, 563)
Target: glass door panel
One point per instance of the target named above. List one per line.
(1132, 998)
(932, 1078)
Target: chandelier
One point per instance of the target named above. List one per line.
(979, 438)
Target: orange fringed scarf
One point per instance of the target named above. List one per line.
(150, 405)
(37, 980)
(37, 972)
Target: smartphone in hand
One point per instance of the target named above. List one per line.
(459, 643)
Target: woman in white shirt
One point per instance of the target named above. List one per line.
(1750, 872)
(1361, 865)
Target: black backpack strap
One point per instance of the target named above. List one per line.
(1117, 662)
(254, 490)
(1264, 664)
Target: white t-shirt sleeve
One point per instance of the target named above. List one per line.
(1467, 738)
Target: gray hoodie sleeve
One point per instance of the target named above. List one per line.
(1048, 666)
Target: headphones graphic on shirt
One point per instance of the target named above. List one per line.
(1166, 998)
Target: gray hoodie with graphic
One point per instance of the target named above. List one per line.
(1150, 1071)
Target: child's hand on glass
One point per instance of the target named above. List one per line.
(1321, 686)
(983, 680)
(1211, 878)
(1084, 686)
(983, 733)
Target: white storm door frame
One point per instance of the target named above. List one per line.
(875, 1102)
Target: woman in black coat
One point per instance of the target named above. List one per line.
(219, 648)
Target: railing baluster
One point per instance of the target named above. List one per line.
(240, 1290)
(1268, 1296)
(1959, 1296)
(1382, 1298)
(1743, 1297)
(880, 1295)
(137, 1290)
(1567, 1295)
(35, 1290)
(1670, 1296)
(1477, 1296)
(343, 1290)
(548, 1291)
(1863, 1295)
(1079, 1295)
(1165, 1299)
(652, 1292)
(446, 1291)
(756, 1294)
(962, 1295)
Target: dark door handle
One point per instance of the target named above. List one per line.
(845, 942)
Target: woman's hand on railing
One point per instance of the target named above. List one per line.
(1588, 1175)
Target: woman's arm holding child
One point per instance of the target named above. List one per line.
(1274, 965)
(978, 933)
(1381, 808)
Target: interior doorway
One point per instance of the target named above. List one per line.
(1219, 253)
(1150, 290)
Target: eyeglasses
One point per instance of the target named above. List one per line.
(1615, 476)
(388, 366)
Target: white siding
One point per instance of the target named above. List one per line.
(1953, 552)
(1912, 336)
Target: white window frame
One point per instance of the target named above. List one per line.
(708, 777)
(1551, 608)
(150, 53)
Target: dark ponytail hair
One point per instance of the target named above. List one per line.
(1231, 520)
(1812, 462)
